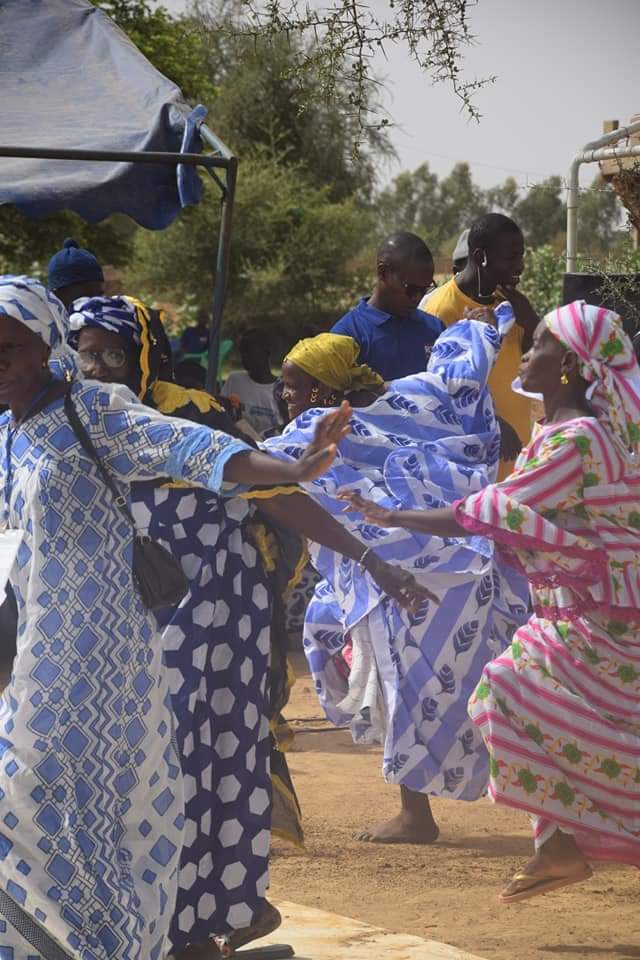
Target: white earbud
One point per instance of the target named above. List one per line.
(484, 260)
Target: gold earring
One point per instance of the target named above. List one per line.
(564, 379)
(314, 395)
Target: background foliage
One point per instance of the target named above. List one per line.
(292, 93)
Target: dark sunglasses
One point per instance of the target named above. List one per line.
(415, 290)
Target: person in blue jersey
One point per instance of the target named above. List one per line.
(394, 336)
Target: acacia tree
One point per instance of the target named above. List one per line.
(341, 38)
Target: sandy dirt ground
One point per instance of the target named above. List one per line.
(446, 892)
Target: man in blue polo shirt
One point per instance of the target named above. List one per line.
(395, 337)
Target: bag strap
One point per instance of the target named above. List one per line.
(87, 445)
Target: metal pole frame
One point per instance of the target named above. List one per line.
(228, 190)
(592, 152)
(221, 159)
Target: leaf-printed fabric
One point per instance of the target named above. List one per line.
(560, 710)
(429, 440)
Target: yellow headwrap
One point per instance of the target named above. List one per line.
(331, 359)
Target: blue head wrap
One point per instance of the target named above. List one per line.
(116, 314)
(73, 265)
(28, 301)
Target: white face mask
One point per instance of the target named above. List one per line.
(516, 386)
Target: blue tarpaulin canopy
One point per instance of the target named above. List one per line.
(88, 124)
(70, 78)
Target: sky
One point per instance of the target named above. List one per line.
(562, 68)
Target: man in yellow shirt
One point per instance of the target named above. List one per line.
(492, 272)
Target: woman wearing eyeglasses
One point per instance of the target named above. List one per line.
(394, 336)
(220, 644)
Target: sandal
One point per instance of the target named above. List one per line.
(269, 921)
(541, 883)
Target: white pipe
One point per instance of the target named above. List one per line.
(610, 153)
(591, 152)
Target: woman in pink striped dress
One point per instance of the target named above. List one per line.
(560, 710)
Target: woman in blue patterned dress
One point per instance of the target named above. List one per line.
(425, 440)
(90, 785)
(217, 643)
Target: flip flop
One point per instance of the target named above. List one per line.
(270, 920)
(543, 884)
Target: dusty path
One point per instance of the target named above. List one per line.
(446, 892)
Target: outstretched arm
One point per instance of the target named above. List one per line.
(439, 523)
(254, 468)
(304, 516)
(139, 443)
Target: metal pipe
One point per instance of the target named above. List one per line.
(591, 152)
(215, 142)
(225, 161)
(228, 191)
(122, 156)
(222, 272)
(610, 153)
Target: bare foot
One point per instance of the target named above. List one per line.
(402, 828)
(557, 863)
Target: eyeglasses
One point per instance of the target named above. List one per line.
(415, 290)
(110, 358)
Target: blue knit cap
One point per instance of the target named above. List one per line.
(72, 264)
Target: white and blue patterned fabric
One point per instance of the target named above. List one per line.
(429, 440)
(91, 800)
(115, 314)
(27, 300)
(217, 644)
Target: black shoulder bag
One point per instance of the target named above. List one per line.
(158, 577)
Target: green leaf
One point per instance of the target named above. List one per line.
(527, 781)
(515, 518)
(572, 753)
(583, 444)
(628, 674)
(535, 733)
(564, 794)
(611, 768)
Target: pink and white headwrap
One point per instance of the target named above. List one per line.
(607, 362)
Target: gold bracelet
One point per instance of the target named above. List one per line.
(365, 553)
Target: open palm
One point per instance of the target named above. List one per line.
(381, 516)
(329, 431)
